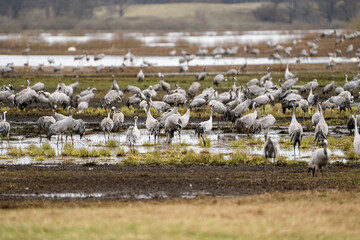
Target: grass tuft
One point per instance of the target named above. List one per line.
(111, 144)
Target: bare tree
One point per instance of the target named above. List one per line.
(123, 4)
(328, 8)
(14, 7)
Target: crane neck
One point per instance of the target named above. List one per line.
(211, 114)
(70, 113)
(108, 114)
(4, 116)
(294, 116)
(135, 124)
(325, 150)
(356, 128)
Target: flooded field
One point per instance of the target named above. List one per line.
(220, 142)
(169, 39)
(159, 61)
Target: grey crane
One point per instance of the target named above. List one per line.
(183, 68)
(176, 98)
(339, 90)
(178, 89)
(59, 98)
(99, 68)
(107, 125)
(234, 88)
(340, 102)
(172, 124)
(25, 97)
(219, 108)
(4, 128)
(329, 87)
(262, 100)
(239, 110)
(198, 102)
(288, 84)
(267, 76)
(44, 123)
(288, 75)
(152, 125)
(38, 86)
(129, 56)
(356, 142)
(270, 150)
(78, 128)
(321, 129)
(57, 116)
(58, 68)
(140, 75)
(132, 135)
(42, 98)
(304, 105)
(246, 121)
(218, 79)
(134, 100)
(112, 96)
(68, 90)
(319, 159)
(82, 106)
(159, 106)
(193, 89)
(132, 89)
(264, 122)
(99, 56)
(252, 82)
(118, 119)
(201, 76)
(186, 117)
(268, 84)
(312, 98)
(88, 91)
(233, 72)
(350, 86)
(164, 85)
(255, 90)
(205, 127)
(295, 130)
(313, 84)
(60, 127)
(149, 92)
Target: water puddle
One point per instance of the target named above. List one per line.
(158, 61)
(220, 144)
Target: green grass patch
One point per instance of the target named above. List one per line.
(70, 151)
(120, 152)
(207, 143)
(112, 144)
(238, 143)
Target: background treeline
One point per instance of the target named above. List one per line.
(18, 15)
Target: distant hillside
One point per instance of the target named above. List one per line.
(174, 17)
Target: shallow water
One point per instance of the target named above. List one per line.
(159, 61)
(219, 144)
(169, 39)
(147, 196)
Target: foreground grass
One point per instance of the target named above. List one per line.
(294, 215)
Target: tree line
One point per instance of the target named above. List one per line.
(309, 10)
(270, 10)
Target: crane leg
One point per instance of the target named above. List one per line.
(313, 172)
(203, 140)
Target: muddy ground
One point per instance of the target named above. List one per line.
(112, 182)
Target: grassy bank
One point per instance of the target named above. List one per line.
(294, 215)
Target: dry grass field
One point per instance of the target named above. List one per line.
(294, 215)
